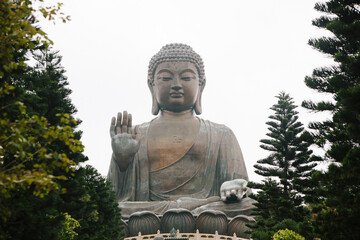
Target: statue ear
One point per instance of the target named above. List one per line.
(155, 107)
(198, 109)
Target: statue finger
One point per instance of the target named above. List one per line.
(112, 127)
(227, 193)
(233, 192)
(239, 194)
(222, 195)
(118, 123)
(129, 124)
(124, 124)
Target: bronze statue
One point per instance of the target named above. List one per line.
(177, 160)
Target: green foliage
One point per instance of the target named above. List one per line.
(32, 217)
(81, 192)
(265, 233)
(88, 198)
(287, 168)
(44, 195)
(336, 193)
(290, 157)
(18, 31)
(26, 160)
(287, 235)
(91, 201)
(98, 213)
(45, 93)
(33, 170)
(68, 233)
(46, 86)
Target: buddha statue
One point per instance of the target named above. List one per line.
(177, 160)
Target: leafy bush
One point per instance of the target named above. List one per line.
(287, 235)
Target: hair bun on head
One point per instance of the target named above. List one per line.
(176, 52)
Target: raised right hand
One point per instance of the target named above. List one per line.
(124, 144)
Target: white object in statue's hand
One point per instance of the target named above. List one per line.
(234, 188)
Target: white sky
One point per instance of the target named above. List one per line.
(252, 50)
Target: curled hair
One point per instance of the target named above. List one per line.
(176, 52)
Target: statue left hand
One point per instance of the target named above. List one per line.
(233, 188)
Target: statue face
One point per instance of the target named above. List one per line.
(176, 86)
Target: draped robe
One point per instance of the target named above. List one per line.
(192, 182)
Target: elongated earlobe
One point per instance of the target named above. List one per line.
(155, 106)
(197, 107)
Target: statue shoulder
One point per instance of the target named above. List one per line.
(142, 128)
(221, 128)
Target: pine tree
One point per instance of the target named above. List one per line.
(45, 92)
(46, 87)
(268, 201)
(27, 164)
(106, 213)
(287, 167)
(88, 199)
(336, 196)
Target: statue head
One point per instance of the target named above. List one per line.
(177, 58)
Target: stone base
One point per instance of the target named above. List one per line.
(207, 222)
(185, 236)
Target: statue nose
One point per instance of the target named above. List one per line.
(176, 84)
(176, 88)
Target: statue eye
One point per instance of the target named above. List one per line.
(187, 75)
(166, 78)
(186, 78)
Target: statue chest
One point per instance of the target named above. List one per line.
(168, 141)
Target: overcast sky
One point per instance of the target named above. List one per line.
(252, 50)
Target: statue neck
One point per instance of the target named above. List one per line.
(164, 114)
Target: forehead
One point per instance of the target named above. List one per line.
(176, 67)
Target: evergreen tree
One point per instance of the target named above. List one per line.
(19, 131)
(336, 195)
(43, 89)
(46, 94)
(46, 87)
(268, 202)
(88, 199)
(30, 171)
(27, 164)
(91, 201)
(104, 221)
(280, 201)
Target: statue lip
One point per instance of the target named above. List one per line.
(176, 94)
